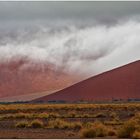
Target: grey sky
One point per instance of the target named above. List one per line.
(101, 11)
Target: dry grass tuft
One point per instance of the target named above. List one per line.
(136, 135)
(88, 133)
(111, 132)
(100, 128)
(22, 124)
(96, 129)
(127, 130)
(61, 124)
(36, 124)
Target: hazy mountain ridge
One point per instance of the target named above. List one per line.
(19, 77)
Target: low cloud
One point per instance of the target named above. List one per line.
(87, 50)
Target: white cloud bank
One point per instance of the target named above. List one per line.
(89, 50)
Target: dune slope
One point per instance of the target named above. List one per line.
(119, 83)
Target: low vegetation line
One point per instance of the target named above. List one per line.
(76, 120)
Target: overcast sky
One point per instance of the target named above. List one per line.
(83, 37)
(106, 12)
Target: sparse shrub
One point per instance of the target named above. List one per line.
(43, 115)
(136, 135)
(114, 122)
(88, 125)
(20, 115)
(36, 124)
(54, 115)
(100, 115)
(76, 125)
(7, 116)
(70, 134)
(58, 123)
(100, 128)
(33, 116)
(22, 124)
(111, 132)
(96, 129)
(127, 130)
(1, 118)
(131, 114)
(88, 133)
(86, 116)
(114, 116)
(137, 117)
(23, 115)
(72, 114)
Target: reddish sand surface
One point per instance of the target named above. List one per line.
(119, 83)
(16, 78)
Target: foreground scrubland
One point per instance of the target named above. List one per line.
(121, 120)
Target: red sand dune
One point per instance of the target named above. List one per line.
(120, 83)
(15, 79)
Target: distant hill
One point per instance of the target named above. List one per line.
(119, 83)
(22, 77)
